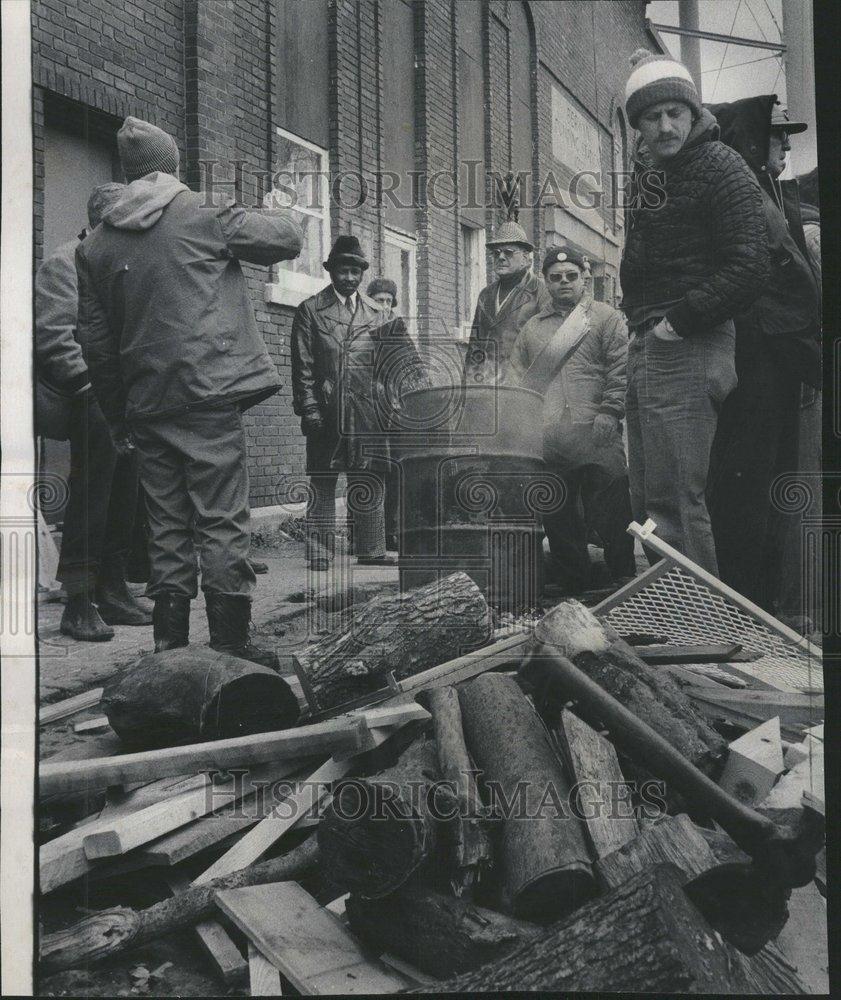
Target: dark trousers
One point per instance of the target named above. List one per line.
(595, 500)
(756, 441)
(366, 514)
(99, 518)
(194, 473)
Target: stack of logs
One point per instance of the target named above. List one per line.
(501, 844)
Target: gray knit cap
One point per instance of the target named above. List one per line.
(145, 148)
(101, 199)
(655, 79)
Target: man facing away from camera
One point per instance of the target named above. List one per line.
(695, 256)
(99, 519)
(168, 329)
(778, 355)
(576, 358)
(504, 306)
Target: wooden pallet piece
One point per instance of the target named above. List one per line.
(592, 763)
(263, 977)
(69, 706)
(65, 858)
(305, 942)
(214, 940)
(259, 748)
(754, 763)
(309, 794)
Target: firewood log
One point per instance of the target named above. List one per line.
(193, 694)
(543, 856)
(399, 633)
(377, 831)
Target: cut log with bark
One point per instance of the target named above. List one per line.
(599, 785)
(543, 855)
(643, 937)
(112, 931)
(401, 634)
(439, 934)
(471, 841)
(596, 649)
(377, 831)
(193, 694)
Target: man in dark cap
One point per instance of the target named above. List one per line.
(336, 391)
(503, 306)
(778, 354)
(99, 518)
(574, 352)
(168, 329)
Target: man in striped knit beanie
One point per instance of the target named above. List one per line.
(695, 256)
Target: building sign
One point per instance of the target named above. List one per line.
(575, 139)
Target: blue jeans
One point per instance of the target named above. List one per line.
(675, 392)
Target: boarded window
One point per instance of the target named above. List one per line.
(303, 73)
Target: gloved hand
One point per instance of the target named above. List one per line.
(605, 427)
(123, 441)
(311, 422)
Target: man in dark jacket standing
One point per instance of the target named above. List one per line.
(695, 256)
(168, 330)
(99, 518)
(579, 367)
(338, 337)
(504, 306)
(777, 352)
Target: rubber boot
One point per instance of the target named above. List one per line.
(117, 604)
(82, 620)
(228, 618)
(171, 621)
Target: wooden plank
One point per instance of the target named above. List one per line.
(203, 833)
(704, 673)
(707, 652)
(304, 941)
(91, 725)
(795, 710)
(70, 706)
(263, 977)
(64, 859)
(258, 748)
(309, 794)
(214, 940)
(754, 763)
(807, 776)
(593, 764)
(674, 840)
(404, 969)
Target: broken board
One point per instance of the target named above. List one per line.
(754, 763)
(306, 943)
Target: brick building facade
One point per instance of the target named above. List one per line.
(385, 118)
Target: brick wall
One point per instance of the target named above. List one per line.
(205, 72)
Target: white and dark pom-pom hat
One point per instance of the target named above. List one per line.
(654, 79)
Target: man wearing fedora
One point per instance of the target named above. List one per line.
(504, 306)
(336, 340)
(778, 355)
(167, 325)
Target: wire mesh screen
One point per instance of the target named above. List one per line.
(682, 608)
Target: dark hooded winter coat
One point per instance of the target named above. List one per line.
(166, 320)
(696, 236)
(789, 305)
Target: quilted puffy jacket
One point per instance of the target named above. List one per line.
(696, 241)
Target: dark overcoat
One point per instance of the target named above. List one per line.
(347, 370)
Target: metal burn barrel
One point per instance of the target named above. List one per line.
(473, 490)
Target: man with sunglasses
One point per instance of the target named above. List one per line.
(574, 352)
(504, 306)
